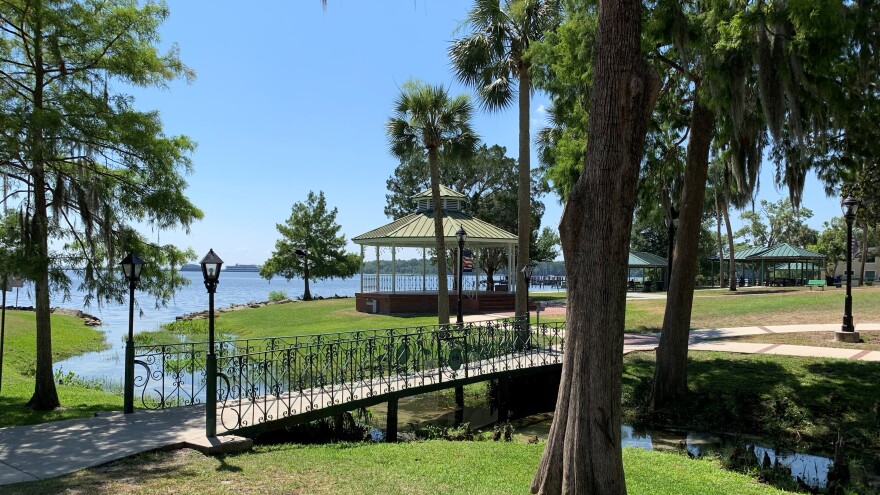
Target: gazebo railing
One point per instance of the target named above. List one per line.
(411, 283)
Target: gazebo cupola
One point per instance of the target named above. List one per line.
(449, 200)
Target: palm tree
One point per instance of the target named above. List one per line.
(427, 120)
(493, 59)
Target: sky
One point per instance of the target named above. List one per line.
(291, 98)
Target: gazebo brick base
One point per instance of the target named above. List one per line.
(426, 302)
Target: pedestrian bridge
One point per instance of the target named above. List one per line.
(268, 383)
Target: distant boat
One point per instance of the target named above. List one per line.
(242, 268)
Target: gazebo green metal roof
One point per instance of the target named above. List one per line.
(445, 192)
(783, 252)
(417, 230)
(787, 252)
(639, 259)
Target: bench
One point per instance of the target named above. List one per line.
(816, 283)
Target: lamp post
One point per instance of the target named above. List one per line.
(462, 237)
(527, 274)
(131, 268)
(847, 332)
(211, 265)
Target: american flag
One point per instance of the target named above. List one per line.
(467, 261)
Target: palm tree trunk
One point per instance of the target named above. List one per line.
(583, 454)
(670, 374)
(439, 239)
(731, 263)
(524, 193)
(720, 248)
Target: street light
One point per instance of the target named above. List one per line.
(847, 333)
(211, 265)
(131, 268)
(462, 237)
(527, 274)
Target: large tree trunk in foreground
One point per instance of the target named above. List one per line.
(583, 454)
(440, 240)
(45, 395)
(670, 374)
(524, 193)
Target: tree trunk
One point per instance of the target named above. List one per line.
(307, 294)
(864, 252)
(45, 395)
(720, 248)
(524, 192)
(583, 454)
(439, 239)
(670, 374)
(731, 262)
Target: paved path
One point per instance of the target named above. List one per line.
(47, 450)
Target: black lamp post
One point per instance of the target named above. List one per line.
(462, 237)
(847, 333)
(131, 268)
(527, 274)
(211, 265)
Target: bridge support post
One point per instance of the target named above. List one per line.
(391, 423)
(459, 404)
(503, 390)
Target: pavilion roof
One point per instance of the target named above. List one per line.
(783, 252)
(417, 230)
(639, 259)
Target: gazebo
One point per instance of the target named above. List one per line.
(417, 293)
(780, 265)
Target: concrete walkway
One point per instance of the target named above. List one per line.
(34, 452)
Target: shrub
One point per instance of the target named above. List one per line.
(277, 295)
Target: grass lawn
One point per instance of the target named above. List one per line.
(432, 467)
(787, 398)
(296, 318)
(69, 337)
(720, 308)
(869, 340)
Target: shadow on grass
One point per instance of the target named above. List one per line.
(791, 400)
(15, 412)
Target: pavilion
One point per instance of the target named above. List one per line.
(417, 293)
(781, 265)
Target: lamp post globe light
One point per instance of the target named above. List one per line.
(847, 333)
(131, 269)
(211, 265)
(462, 237)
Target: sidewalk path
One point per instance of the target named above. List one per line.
(34, 452)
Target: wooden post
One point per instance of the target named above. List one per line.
(391, 424)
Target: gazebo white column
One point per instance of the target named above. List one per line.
(362, 268)
(424, 268)
(511, 274)
(378, 271)
(393, 269)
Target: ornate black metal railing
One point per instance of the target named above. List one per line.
(261, 380)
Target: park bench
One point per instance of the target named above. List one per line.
(816, 283)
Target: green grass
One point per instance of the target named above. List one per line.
(432, 467)
(69, 338)
(790, 399)
(296, 318)
(720, 308)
